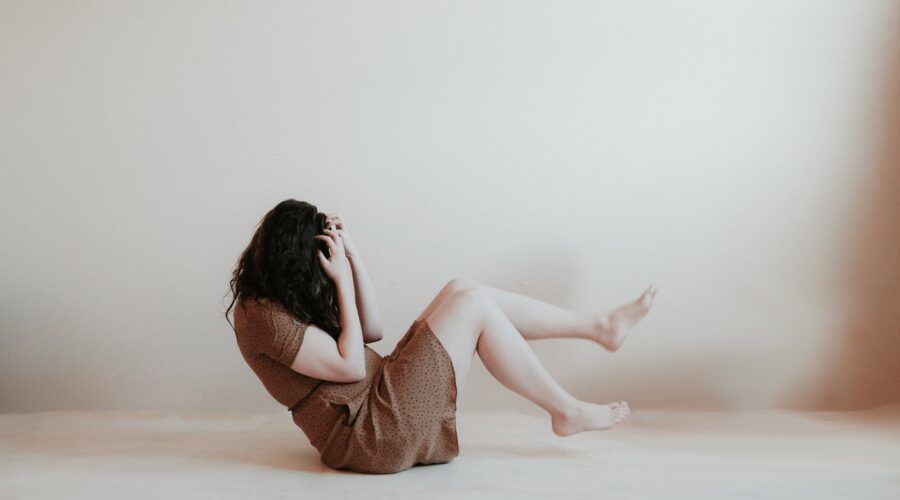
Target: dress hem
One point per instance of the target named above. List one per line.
(427, 328)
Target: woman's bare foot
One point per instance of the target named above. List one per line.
(586, 416)
(613, 327)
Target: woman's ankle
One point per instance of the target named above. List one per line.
(566, 410)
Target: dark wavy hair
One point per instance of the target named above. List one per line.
(281, 265)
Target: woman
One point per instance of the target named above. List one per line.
(306, 309)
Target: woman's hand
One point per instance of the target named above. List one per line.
(333, 221)
(337, 265)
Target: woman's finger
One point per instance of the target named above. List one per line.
(328, 241)
(335, 235)
(337, 238)
(331, 235)
(326, 238)
(335, 220)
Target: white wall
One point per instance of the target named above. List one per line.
(572, 151)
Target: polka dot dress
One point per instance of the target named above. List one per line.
(401, 415)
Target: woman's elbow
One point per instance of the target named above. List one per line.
(373, 335)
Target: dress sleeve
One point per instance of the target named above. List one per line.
(285, 339)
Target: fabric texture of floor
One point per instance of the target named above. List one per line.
(654, 454)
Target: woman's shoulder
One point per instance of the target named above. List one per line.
(252, 310)
(257, 321)
(267, 309)
(270, 309)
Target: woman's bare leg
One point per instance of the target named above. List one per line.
(468, 321)
(536, 319)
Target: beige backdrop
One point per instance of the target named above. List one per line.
(737, 155)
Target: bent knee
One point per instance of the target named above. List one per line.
(472, 299)
(457, 285)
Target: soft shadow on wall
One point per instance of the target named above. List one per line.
(864, 371)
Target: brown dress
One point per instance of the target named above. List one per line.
(403, 413)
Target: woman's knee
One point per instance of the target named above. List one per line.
(474, 300)
(457, 285)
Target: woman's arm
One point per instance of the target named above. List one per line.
(348, 342)
(366, 302)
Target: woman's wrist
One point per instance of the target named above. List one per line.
(345, 285)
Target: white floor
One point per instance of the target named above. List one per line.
(654, 454)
